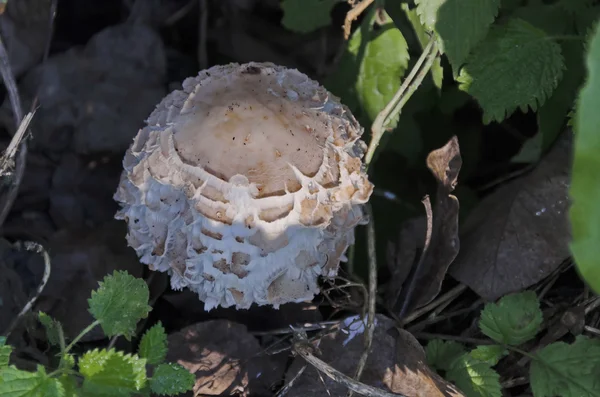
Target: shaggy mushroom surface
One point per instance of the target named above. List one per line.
(245, 186)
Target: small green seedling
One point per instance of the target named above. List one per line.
(559, 369)
(117, 306)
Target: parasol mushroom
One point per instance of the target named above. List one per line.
(245, 186)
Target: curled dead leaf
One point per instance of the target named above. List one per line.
(407, 292)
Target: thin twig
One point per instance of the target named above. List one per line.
(353, 14)
(463, 339)
(435, 303)
(180, 13)
(7, 160)
(37, 248)
(286, 388)
(15, 101)
(372, 297)
(408, 87)
(303, 349)
(592, 330)
(593, 305)
(295, 328)
(507, 384)
(433, 320)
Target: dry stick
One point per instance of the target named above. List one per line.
(353, 14)
(593, 305)
(463, 339)
(372, 297)
(429, 321)
(15, 101)
(286, 388)
(408, 87)
(303, 349)
(33, 247)
(592, 330)
(180, 13)
(7, 159)
(295, 328)
(435, 303)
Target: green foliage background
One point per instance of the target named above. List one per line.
(502, 60)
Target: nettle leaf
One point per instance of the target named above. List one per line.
(17, 383)
(171, 379)
(67, 361)
(560, 369)
(119, 303)
(441, 354)
(460, 24)
(305, 16)
(474, 377)
(585, 184)
(490, 354)
(515, 319)
(112, 372)
(69, 385)
(383, 55)
(153, 346)
(53, 328)
(5, 352)
(516, 66)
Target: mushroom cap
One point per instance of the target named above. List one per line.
(245, 186)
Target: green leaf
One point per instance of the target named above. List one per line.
(305, 16)
(585, 183)
(67, 361)
(552, 116)
(371, 68)
(587, 20)
(560, 369)
(515, 319)
(441, 354)
(5, 352)
(17, 383)
(460, 24)
(474, 378)
(119, 303)
(383, 55)
(153, 346)
(53, 328)
(69, 385)
(112, 372)
(171, 379)
(490, 354)
(516, 66)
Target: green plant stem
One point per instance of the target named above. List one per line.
(408, 87)
(81, 335)
(522, 352)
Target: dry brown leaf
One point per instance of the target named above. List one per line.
(519, 234)
(396, 363)
(225, 358)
